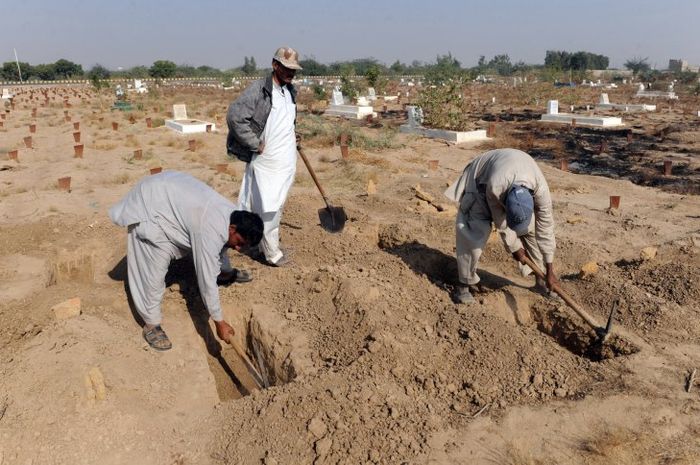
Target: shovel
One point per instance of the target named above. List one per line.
(602, 331)
(258, 380)
(332, 218)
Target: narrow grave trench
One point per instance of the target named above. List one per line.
(273, 354)
(267, 361)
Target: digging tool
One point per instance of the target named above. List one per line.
(601, 331)
(252, 370)
(332, 218)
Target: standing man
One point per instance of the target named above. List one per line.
(504, 187)
(169, 215)
(261, 125)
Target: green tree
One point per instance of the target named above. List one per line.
(501, 64)
(9, 70)
(397, 67)
(162, 69)
(313, 67)
(98, 72)
(138, 72)
(638, 65)
(45, 72)
(372, 75)
(67, 69)
(446, 68)
(249, 67)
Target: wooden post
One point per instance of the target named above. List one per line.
(433, 164)
(138, 154)
(668, 166)
(13, 155)
(149, 123)
(156, 170)
(614, 201)
(64, 184)
(28, 142)
(76, 136)
(78, 151)
(564, 165)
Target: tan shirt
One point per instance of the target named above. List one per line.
(491, 175)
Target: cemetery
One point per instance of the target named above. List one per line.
(366, 357)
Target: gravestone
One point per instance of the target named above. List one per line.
(415, 126)
(179, 111)
(604, 99)
(552, 107)
(371, 94)
(362, 101)
(415, 116)
(6, 94)
(337, 97)
(182, 124)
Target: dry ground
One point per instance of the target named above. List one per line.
(372, 361)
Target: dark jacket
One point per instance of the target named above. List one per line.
(247, 116)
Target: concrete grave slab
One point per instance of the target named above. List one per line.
(180, 123)
(414, 126)
(604, 104)
(553, 116)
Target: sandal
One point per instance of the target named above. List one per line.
(157, 338)
(236, 276)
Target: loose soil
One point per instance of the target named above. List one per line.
(368, 358)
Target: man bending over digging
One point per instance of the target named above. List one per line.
(168, 216)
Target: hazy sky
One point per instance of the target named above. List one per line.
(220, 33)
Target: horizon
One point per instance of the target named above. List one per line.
(199, 34)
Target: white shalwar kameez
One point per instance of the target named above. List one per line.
(169, 215)
(269, 175)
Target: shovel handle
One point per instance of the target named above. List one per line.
(565, 297)
(313, 175)
(251, 368)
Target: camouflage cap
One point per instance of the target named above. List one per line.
(288, 57)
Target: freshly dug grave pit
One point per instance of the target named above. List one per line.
(276, 354)
(562, 325)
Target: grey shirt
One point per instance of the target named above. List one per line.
(193, 216)
(491, 175)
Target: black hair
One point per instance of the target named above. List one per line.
(248, 225)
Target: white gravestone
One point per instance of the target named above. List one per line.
(552, 107)
(371, 94)
(179, 111)
(604, 99)
(337, 98)
(415, 116)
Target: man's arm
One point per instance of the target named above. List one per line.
(239, 117)
(544, 222)
(206, 254)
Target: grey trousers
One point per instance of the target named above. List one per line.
(148, 257)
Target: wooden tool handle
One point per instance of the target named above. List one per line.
(566, 297)
(313, 175)
(251, 367)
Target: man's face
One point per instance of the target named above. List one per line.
(283, 74)
(235, 240)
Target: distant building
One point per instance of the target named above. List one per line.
(679, 65)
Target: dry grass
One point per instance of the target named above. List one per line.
(121, 178)
(515, 454)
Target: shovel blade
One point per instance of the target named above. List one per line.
(332, 218)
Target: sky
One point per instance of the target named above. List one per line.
(220, 33)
